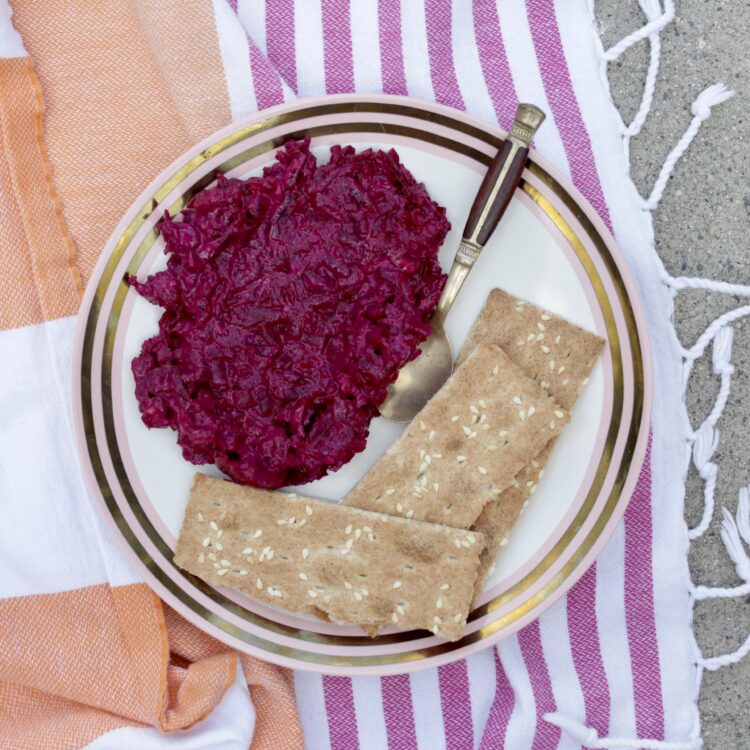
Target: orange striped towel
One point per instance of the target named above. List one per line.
(89, 656)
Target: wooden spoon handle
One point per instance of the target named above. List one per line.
(502, 177)
(492, 199)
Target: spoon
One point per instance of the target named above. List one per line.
(421, 378)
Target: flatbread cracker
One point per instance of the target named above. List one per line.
(342, 564)
(514, 325)
(464, 448)
(553, 352)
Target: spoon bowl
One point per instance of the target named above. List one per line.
(419, 380)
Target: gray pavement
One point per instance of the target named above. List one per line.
(702, 229)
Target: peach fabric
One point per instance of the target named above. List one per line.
(128, 87)
(87, 661)
(126, 91)
(39, 278)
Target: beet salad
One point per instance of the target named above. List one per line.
(290, 302)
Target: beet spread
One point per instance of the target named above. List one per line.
(290, 303)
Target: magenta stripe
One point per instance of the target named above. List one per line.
(530, 640)
(500, 710)
(342, 718)
(391, 47)
(640, 617)
(268, 91)
(440, 52)
(562, 101)
(280, 43)
(399, 712)
(456, 705)
(337, 47)
(583, 631)
(494, 62)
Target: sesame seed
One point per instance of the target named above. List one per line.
(409, 514)
(222, 572)
(216, 566)
(226, 563)
(495, 369)
(259, 583)
(243, 572)
(559, 414)
(397, 584)
(504, 541)
(200, 517)
(517, 400)
(364, 591)
(212, 556)
(436, 619)
(258, 533)
(437, 455)
(472, 539)
(423, 480)
(312, 593)
(545, 316)
(491, 447)
(520, 342)
(399, 508)
(552, 425)
(532, 410)
(206, 542)
(270, 590)
(434, 629)
(545, 349)
(551, 365)
(281, 522)
(457, 542)
(213, 525)
(557, 339)
(530, 337)
(270, 554)
(439, 603)
(219, 546)
(540, 326)
(435, 486)
(367, 529)
(533, 488)
(483, 419)
(390, 492)
(431, 435)
(561, 370)
(502, 433)
(584, 381)
(541, 473)
(305, 553)
(327, 598)
(348, 529)
(482, 470)
(349, 543)
(358, 596)
(539, 336)
(291, 520)
(535, 463)
(521, 414)
(530, 483)
(445, 587)
(308, 510)
(422, 467)
(545, 384)
(454, 418)
(357, 533)
(525, 504)
(474, 409)
(422, 425)
(201, 557)
(514, 482)
(566, 381)
(422, 452)
(303, 576)
(467, 430)
(371, 536)
(394, 618)
(457, 617)
(401, 609)
(292, 494)
(472, 435)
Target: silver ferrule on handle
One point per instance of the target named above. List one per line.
(527, 121)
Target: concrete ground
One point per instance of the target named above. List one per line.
(702, 228)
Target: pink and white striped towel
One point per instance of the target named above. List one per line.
(616, 653)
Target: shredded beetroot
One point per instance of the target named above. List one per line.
(290, 303)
